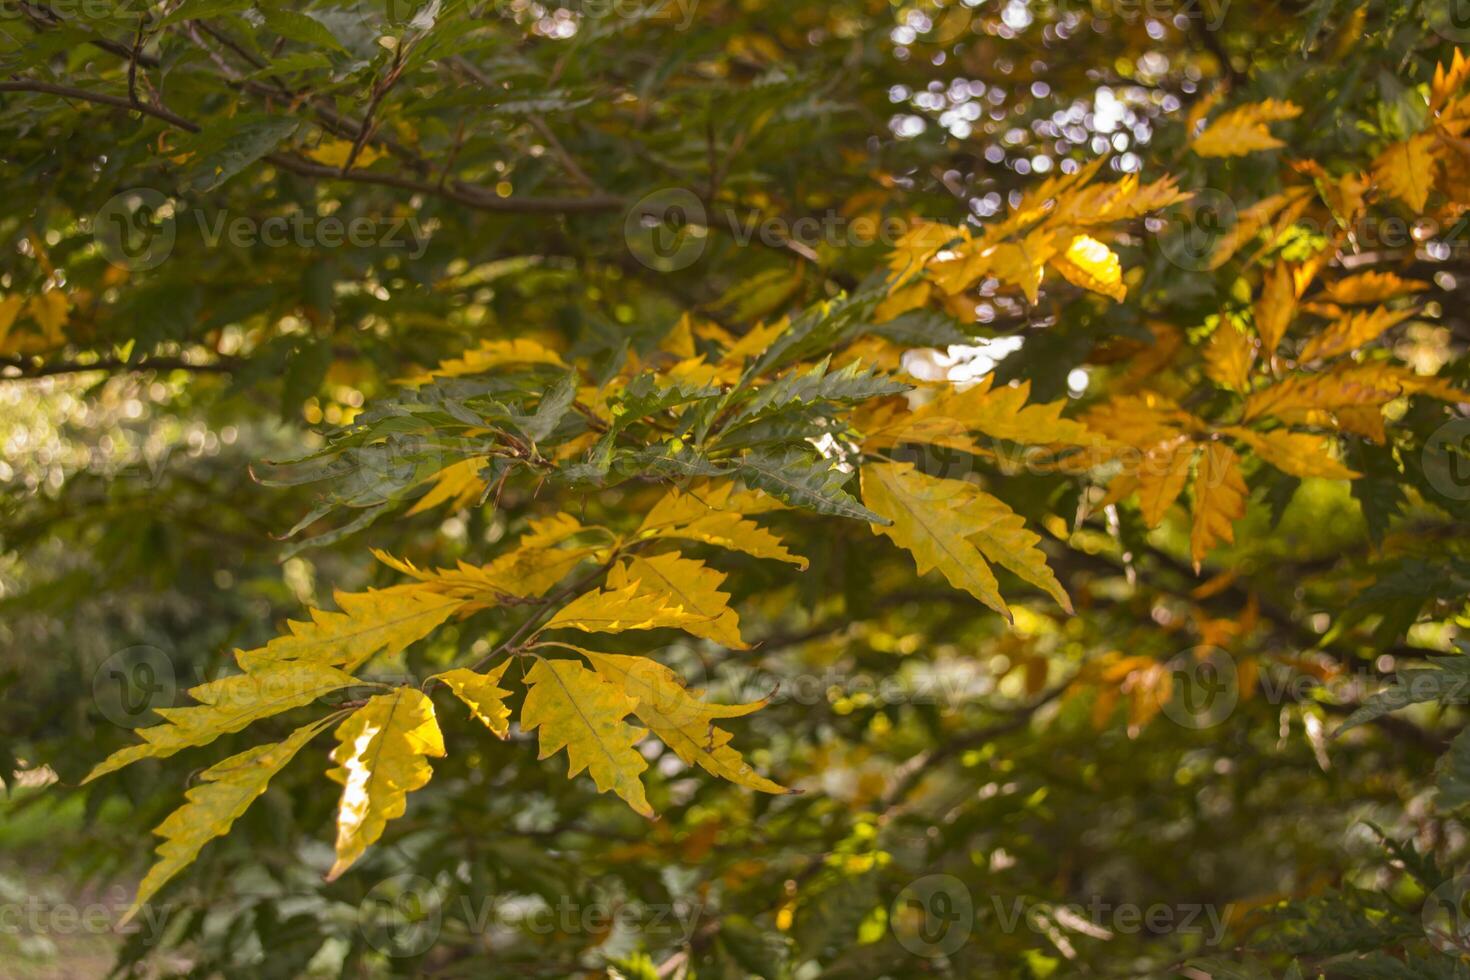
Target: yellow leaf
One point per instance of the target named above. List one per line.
(1243, 130)
(531, 569)
(489, 355)
(753, 343)
(680, 340)
(1362, 420)
(1371, 287)
(334, 153)
(902, 301)
(227, 706)
(578, 711)
(1161, 477)
(694, 586)
(1352, 332)
(631, 607)
(459, 483)
(1118, 201)
(680, 719)
(1219, 500)
(1276, 307)
(380, 753)
(1347, 384)
(1023, 263)
(960, 268)
(1298, 453)
(918, 245)
(1090, 264)
(954, 527)
(1229, 355)
(10, 308)
(1001, 413)
(1250, 222)
(371, 623)
(1406, 170)
(1141, 421)
(223, 793)
(1202, 108)
(482, 694)
(1007, 542)
(1448, 81)
(50, 312)
(716, 517)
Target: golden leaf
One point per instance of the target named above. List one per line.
(226, 706)
(1007, 542)
(902, 301)
(482, 694)
(1229, 356)
(10, 308)
(1341, 386)
(458, 483)
(578, 711)
(380, 756)
(1276, 307)
(1371, 287)
(1448, 81)
(632, 606)
(717, 516)
(1243, 130)
(50, 310)
(334, 153)
(1141, 421)
(694, 586)
(960, 268)
(918, 245)
(753, 343)
(680, 340)
(680, 719)
(1298, 453)
(1001, 413)
(952, 526)
(489, 355)
(1161, 477)
(371, 623)
(223, 793)
(930, 524)
(1023, 263)
(1352, 332)
(1250, 222)
(1219, 500)
(1362, 420)
(1091, 265)
(1406, 170)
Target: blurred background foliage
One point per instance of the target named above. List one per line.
(507, 142)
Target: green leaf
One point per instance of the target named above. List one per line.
(1447, 679)
(806, 480)
(224, 791)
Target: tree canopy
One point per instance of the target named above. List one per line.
(692, 488)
